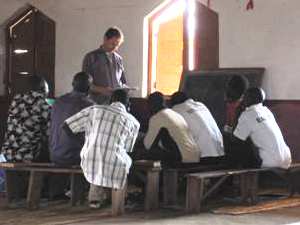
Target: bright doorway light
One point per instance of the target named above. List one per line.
(169, 10)
(191, 5)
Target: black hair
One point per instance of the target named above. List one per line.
(81, 82)
(39, 84)
(156, 102)
(178, 98)
(254, 96)
(120, 96)
(236, 87)
(113, 32)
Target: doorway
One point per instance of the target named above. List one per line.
(180, 36)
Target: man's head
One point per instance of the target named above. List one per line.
(178, 98)
(120, 96)
(113, 38)
(39, 84)
(236, 87)
(156, 102)
(254, 96)
(81, 82)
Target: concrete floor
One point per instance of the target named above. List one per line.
(59, 213)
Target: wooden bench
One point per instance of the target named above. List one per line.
(38, 170)
(172, 174)
(196, 192)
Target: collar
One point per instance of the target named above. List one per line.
(251, 107)
(119, 106)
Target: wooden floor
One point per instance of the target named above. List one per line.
(60, 213)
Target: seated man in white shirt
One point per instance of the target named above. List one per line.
(258, 123)
(203, 127)
(168, 137)
(110, 133)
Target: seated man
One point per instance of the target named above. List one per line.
(203, 127)
(110, 132)
(168, 137)
(27, 124)
(258, 123)
(234, 92)
(65, 149)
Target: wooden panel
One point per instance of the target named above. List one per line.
(22, 64)
(207, 38)
(45, 49)
(3, 117)
(287, 114)
(140, 110)
(34, 33)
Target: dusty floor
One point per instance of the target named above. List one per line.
(60, 213)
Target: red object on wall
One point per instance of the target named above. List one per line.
(250, 5)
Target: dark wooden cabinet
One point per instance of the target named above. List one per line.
(30, 50)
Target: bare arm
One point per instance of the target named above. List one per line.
(101, 90)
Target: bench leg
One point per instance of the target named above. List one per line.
(34, 189)
(118, 201)
(249, 187)
(243, 188)
(11, 185)
(194, 194)
(170, 181)
(253, 185)
(152, 191)
(77, 189)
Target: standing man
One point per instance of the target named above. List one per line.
(65, 149)
(106, 66)
(110, 133)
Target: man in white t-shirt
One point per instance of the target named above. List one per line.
(203, 126)
(168, 137)
(258, 123)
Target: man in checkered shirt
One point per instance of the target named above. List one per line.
(110, 132)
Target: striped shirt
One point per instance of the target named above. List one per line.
(110, 132)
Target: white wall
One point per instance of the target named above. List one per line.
(267, 36)
(80, 26)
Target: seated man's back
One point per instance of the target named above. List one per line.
(203, 127)
(110, 133)
(174, 128)
(258, 123)
(65, 149)
(27, 125)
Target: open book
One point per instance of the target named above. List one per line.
(127, 88)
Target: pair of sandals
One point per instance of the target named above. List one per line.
(95, 204)
(99, 204)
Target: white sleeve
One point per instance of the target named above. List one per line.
(152, 132)
(78, 122)
(243, 129)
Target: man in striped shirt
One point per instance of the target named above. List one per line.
(110, 132)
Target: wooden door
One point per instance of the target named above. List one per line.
(206, 38)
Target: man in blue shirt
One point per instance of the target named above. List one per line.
(65, 149)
